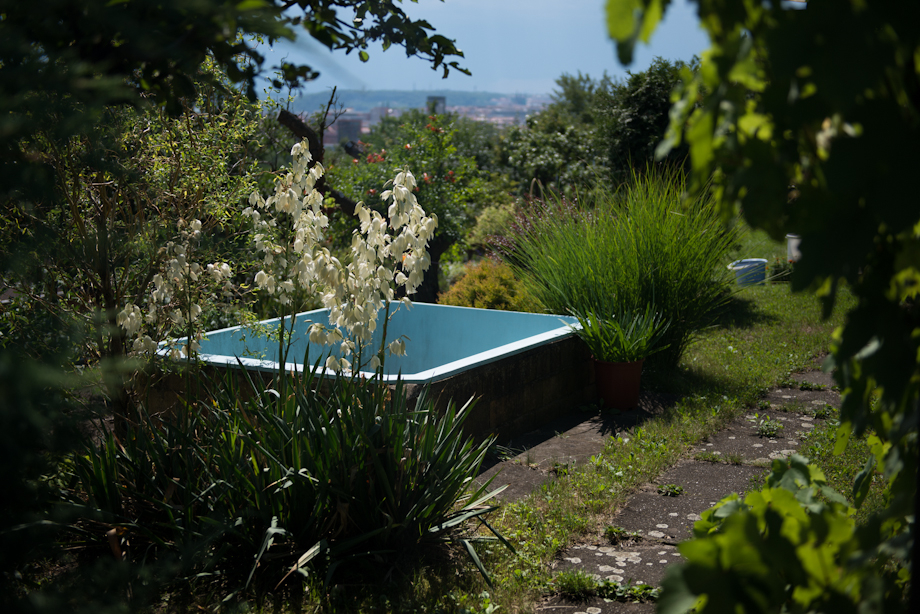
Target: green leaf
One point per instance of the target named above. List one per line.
(650, 19)
(863, 481)
(622, 18)
(251, 5)
(676, 596)
(843, 437)
(475, 558)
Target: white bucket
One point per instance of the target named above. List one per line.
(792, 247)
(749, 271)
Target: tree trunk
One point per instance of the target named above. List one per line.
(428, 291)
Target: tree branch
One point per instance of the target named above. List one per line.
(302, 131)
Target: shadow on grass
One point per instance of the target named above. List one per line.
(740, 312)
(683, 382)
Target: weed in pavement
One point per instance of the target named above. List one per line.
(709, 457)
(822, 412)
(794, 407)
(616, 535)
(788, 382)
(766, 426)
(734, 459)
(731, 458)
(576, 584)
(670, 490)
(627, 591)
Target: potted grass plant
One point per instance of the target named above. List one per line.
(619, 346)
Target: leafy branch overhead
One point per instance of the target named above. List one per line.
(72, 58)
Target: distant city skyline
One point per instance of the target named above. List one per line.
(510, 46)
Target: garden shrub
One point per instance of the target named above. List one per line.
(252, 487)
(490, 285)
(495, 220)
(618, 254)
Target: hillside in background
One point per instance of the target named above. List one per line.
(362, 101)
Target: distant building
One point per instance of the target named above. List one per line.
(349, 129)
(377, 113)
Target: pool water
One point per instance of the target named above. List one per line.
(441, 340)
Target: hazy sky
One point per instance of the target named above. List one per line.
(510, 46)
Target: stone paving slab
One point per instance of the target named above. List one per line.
(594, 605)
(640, 562)
(671, 519)
(741, 440)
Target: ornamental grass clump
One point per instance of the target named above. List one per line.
(618, 254)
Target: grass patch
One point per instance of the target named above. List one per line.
(762, 335)
(580, 586)
(840, 470)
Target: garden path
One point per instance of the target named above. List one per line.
(734, 460)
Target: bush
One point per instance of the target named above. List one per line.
(619, 254)
(493, 221)
(490, 285)
(319, 480)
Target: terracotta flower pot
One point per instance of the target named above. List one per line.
(618, 383)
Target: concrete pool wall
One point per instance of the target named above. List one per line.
(524, 369)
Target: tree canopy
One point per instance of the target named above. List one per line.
(63, 62)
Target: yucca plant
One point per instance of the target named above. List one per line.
(624, 338)
(252, 491)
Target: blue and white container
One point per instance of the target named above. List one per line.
(749, 271)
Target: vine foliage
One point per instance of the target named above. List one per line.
(805, 118)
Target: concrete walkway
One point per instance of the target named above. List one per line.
(734, 460)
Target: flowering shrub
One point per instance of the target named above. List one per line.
(289, 231)
(387, 255)
(174, 303)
